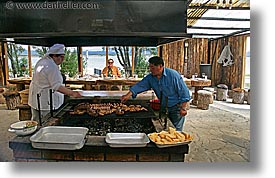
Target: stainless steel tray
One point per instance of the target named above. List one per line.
(127, 139)
(59, 137)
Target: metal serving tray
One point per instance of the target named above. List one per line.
(127, 139)
(59, 137)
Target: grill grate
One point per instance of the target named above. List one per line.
(130, 122)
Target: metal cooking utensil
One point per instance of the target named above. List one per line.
(39, 109)
(51, 102)
(166, 112)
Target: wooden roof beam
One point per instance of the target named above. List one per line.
(220, 8)
(217, 18)
(217, 28)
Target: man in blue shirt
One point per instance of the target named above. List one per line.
(166, 83)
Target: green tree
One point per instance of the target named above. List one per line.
(14, 52)
(70, 64)
(41, 51)
(140, 61)
(23, 70)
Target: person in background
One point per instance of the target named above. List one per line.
(111, 70)
(166, 83)
(48, 76)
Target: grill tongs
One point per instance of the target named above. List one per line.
(51, 101)
(164, 125)
(39, 107)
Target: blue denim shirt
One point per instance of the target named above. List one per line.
(171, 84)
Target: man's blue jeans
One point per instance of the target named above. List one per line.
(175, 117)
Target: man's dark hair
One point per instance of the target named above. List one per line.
(156, 60)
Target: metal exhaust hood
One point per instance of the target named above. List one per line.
(94, 23)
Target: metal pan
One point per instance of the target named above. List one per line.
(59, 137)
(127, 139)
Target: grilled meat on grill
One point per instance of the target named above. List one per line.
(105, 108)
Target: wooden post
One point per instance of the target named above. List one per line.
(6, 63)
(80, 62)
(30, 60)
(133, 60)
(1, 67)
(107, 55)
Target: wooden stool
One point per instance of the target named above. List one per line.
(222, 91)
(204, 98)
(2, 98)
(24, 96)
(24, 112)
(12, 99)
(116, 87)
(238, 96)
(248, 97)
(103, 87)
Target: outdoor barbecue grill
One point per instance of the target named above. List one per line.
(129, 122)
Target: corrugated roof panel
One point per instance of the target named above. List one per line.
(205, 20)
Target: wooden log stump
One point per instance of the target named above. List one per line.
(238, 96)
(24, 112)
(204, 98)
(2, 98)
(24, 96)
(116, 87)
(248, 97)
(212, 90)
(222, 91)
(12, 99)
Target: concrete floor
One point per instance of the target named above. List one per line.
(221, 134)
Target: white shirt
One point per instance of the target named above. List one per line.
(46, 76)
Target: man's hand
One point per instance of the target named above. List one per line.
(183, 112)
(126, 97)
(75, 94)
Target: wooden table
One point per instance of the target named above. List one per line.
(147, 95)
(20, 82)
(119, 81)
(116, 83)
(88, 83)
(199, 83)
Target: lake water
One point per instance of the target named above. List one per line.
(93, 61)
